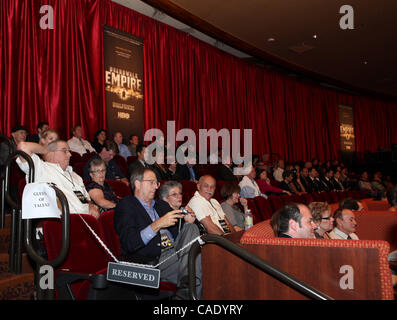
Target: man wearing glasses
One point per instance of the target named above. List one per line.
(55, 169)
(148, 228)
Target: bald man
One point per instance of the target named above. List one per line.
(345, 225)
(208, 210)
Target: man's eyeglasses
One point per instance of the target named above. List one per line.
(326, 218)
(153, 182)
(64, 150)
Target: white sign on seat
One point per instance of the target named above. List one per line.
(39, 201)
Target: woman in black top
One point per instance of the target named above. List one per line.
(100, 192)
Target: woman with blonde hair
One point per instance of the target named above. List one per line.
(48, 136)
(321, 212)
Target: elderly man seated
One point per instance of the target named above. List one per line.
(207, 209)
(55, 169)
(248, 185)
(345, 225)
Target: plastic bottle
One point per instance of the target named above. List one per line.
(248, 220)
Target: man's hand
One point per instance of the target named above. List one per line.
(168, 220)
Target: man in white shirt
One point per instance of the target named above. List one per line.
(345, 225)
(77, 143)
(55, 169)
(248, 185)
(123, 149)
(208, 210)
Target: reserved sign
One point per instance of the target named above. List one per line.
(135, 275)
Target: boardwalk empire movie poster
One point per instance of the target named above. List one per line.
(124, 84)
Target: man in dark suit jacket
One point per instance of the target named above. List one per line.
(315, 184)
(148, 230)
(186, 171)
(336, 182)
(140, 161)
(327, 181)
(41, 127)
(304, 180)
(225, 173)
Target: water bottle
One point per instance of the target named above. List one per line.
(248, 221)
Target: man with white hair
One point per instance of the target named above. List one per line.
(248, 185)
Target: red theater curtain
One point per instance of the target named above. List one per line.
(58, 75)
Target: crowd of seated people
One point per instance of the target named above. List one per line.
(264, 177)
(94, 195)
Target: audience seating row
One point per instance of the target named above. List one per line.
(86, 255)
(306, 259)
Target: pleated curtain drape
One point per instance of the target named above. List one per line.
(57, 75)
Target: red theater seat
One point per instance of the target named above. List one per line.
(286, 198)
(120, 188)
(122, 163)
(264, 208)
(75, 158)
(79, 168)
(256, 216)
(87, 156)
(276, 202)
(131, 159)
(317, 196)
(307, 198)
(85, 255)
(188, 190)
(333, 197)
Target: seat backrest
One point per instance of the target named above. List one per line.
(333, 197)
(256, 216)
(122, 164)
(286, 198)
(76, 157)
(264, 208)
(188, 190)
(108, 232)
(275, 202)
(318, 197)
(131, 159)
(79, 168)
(307, 198)
(85, 253)
(87, 156)
(377, 225)
(120, 188)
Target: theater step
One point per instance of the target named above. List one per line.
(26, 265)
(16, 287)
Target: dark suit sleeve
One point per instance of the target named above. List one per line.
(128, 227)
(116, 169)
(162, 208)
